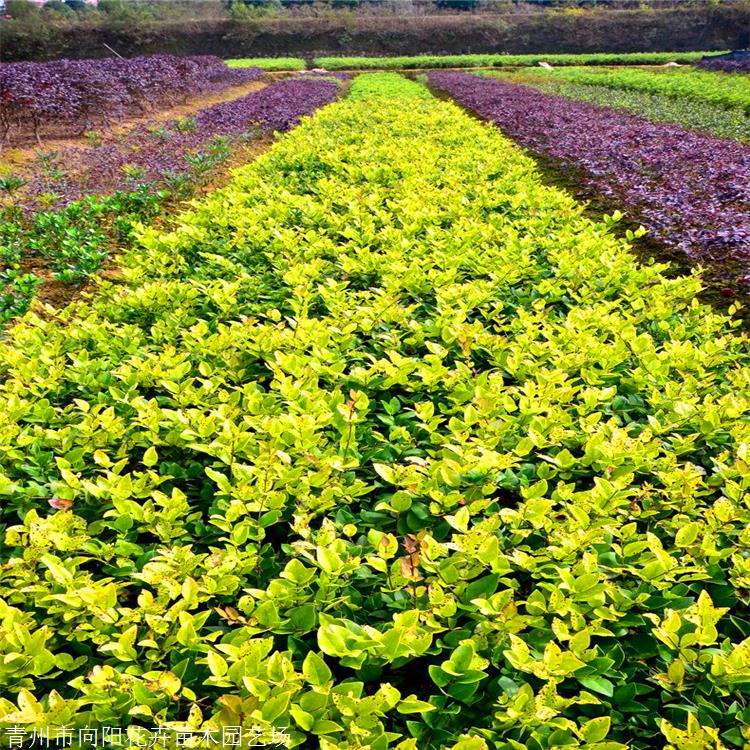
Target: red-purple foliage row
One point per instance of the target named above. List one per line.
(691, 191)
(161, 154)
(276, 107)
(79, 94)
(728, 66)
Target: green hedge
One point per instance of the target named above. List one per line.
(268, 63)
(484, 61)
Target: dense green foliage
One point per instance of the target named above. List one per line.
(720, 89)
(377, 86)
(268, 63)
(486, 61)
(388, 443)
(77, 239)
(72, 242)
(691, 114)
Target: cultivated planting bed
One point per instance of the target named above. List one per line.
(388, 444)
(691, 191)
(72, 96)
(71, 207)
(484, 61)
(692, 113)
(268, 63)
(727, 66)
(727, 91)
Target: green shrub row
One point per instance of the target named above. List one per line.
(268, 63)
(719, 89)
(72, 242)
(386, 443)
(486, 61)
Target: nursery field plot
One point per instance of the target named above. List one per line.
(702, 117)
(66, 98)
(14, 155)
(727, 66)
(699, 105)
(163, 151)
(66, 210)
(692, 84)
(386, 444)
(268, 63)
(426, 62)
(691, 191)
